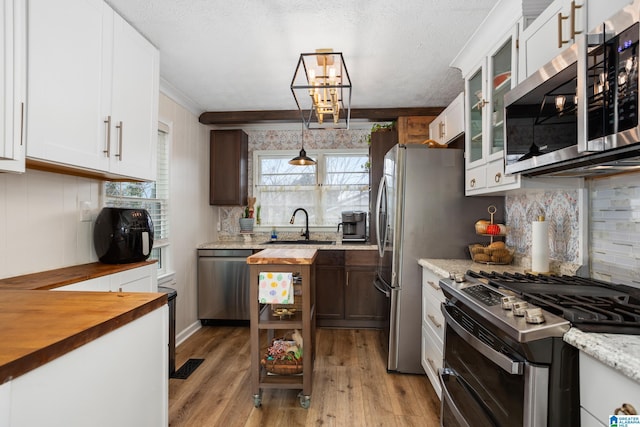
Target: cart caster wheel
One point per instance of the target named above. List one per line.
(305, 401)
(257, 400)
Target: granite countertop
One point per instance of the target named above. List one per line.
(621, 352)
(443, 267)
(265, 245)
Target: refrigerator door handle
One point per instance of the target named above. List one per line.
(382, 287)
(381, 242)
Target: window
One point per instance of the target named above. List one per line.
(339, 182)
(152, 196)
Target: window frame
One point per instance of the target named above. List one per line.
(162, 245)
(320, 175)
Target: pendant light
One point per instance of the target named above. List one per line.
(302, 159)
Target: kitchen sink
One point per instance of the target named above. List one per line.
(301, 242)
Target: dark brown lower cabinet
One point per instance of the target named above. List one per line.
(329, 286)
(345, 296)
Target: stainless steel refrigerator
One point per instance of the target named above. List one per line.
(422, 212)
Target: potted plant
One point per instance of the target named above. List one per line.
(246, 221)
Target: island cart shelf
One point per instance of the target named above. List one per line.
(299, 262)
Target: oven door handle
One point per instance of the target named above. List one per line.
(511, 366)
(444, 374)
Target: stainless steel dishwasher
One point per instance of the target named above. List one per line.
(223, 285)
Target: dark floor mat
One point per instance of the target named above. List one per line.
(187, 369)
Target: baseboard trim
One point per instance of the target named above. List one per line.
(187, 332)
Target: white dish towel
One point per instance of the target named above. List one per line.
(275, 288)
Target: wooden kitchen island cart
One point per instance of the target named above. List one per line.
(266, 324)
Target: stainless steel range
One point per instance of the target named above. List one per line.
(505, 363)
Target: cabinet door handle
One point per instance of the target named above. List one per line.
(626, 409)
(21, 123)
(432, 364)
(107, 138)
(573, 20)
(441, 128)
(560, 40)
(119, 127)
(472, 183)
(433, 285)
(434, 321)
(498, 177)
(347, 279)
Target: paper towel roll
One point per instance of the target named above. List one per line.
(540, 246)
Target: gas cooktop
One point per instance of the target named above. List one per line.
(590, 305)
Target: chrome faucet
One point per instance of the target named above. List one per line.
(306, 215)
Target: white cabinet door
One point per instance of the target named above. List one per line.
(142, 279)
(436, 129)
(454, 119)
(118, 379)
(542, 41)
(134, 102)
(599, 11)
(65, 122)
(98, 284)
(450, 123)
(93, 90)
(12, 84)
(603, 389)
(432, 327)
(555, 29)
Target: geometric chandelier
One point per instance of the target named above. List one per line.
(322, 89)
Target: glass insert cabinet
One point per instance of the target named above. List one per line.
(486, 88)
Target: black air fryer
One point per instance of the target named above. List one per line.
(123, 235)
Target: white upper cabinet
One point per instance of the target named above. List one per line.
(556, 27)
(93, 83)
(450, 123)
(134, 102)
(12, 85)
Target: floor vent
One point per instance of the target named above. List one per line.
(187, 369)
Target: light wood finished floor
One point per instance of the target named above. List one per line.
(351, 386)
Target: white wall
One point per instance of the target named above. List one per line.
(192, 220)
(40, 226)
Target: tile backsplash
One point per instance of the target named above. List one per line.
(561, 211)
(614, 229)
(612, 224)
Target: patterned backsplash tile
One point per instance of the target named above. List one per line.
(560, 209)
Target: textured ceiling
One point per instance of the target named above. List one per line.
(235, 55)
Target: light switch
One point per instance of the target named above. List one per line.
(85, 211)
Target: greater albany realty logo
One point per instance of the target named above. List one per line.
(624, 421)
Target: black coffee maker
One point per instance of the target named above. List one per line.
(354, 226)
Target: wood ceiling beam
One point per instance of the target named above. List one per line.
(371, 114)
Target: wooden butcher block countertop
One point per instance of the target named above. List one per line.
(284, 256)
(39, 326)
(51, 279)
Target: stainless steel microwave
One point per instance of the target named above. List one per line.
(578, 115)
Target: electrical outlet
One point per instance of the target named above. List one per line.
(85, 211)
